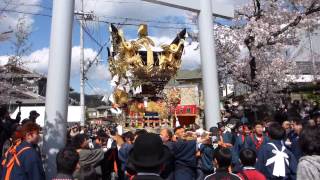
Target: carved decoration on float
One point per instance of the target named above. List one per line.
(138, 67)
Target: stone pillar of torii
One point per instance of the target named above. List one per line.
(206, 9)
(60, 59)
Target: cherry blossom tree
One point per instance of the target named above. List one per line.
(266, 29)
(252, 49)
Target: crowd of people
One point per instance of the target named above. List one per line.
(286, 149)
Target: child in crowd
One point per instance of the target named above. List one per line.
(248, 158)
(222, 159)
(240, 143)
(257, 139)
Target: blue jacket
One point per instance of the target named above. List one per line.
(295, 147)
(185, 153)
(251, 141)
(206, 157)
(123, 154)
(31, 165)
(266, 152)
(239, 144)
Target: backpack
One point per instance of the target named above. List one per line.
(280, 161)
(9, 163)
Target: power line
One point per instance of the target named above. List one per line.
(125, 2)
(31, 5)
(27, 13)
(94, 59)
(91, 37)
(94, 89)
(102, 21)
(95, 85)
(150, 21)
(138, 24)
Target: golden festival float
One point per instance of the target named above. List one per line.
(140, 71)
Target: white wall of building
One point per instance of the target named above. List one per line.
(73, 113)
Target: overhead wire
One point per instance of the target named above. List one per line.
(149, 20)
(138, 24)
(91, 37)
(95, 89)
(125, 2)
(103, 21)
(30, 5)
(95, 58)
(27, 13)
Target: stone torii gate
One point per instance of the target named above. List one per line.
(206, 9)
(60, 59)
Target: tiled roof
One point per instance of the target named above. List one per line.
(189, 74)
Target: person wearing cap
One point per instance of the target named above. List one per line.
(33, 115)
(148, 156)
(225, 136)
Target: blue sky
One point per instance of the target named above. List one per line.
(105, 10)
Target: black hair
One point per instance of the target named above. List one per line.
(78, 140)
(214, 131)
(102, 134)
(248, 157)
(140, 132)
(309, 140)
(297, 120)
(220, 125)
(276, 131)
(67, 160)
(177, 128)
(257, 123)
(128, 135)
(223, 157)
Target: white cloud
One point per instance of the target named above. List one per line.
(136, 12)
(191, 55)
(4, 60)
(9, 16)
(38, 61)
(131, 9)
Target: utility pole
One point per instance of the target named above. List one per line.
(82, 106)
(83, 16)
